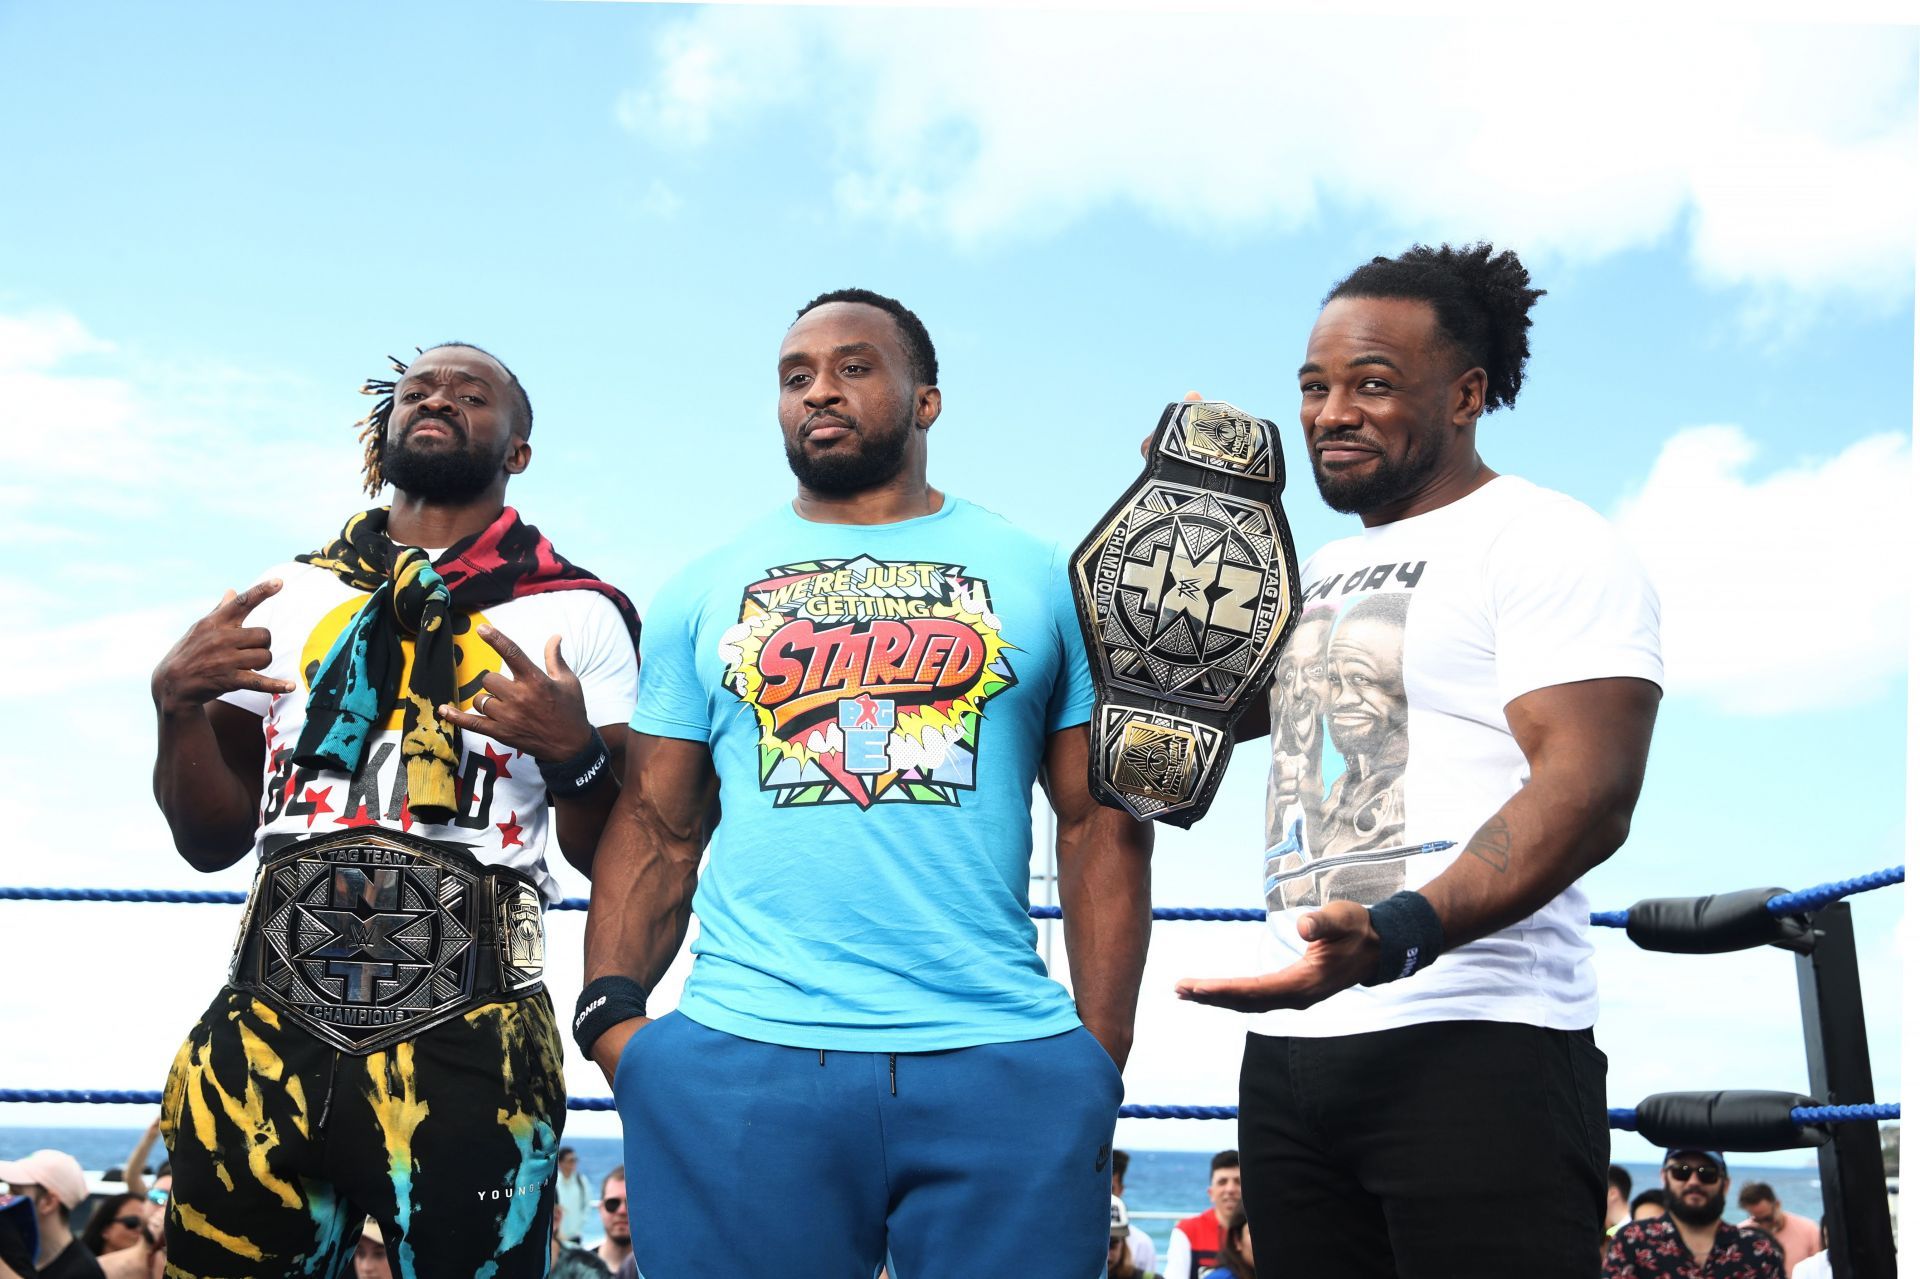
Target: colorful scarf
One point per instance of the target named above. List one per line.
(412, 595)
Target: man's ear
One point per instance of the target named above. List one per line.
(1469, 397)
(926, 407)
(519, 454)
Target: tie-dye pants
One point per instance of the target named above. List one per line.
(282, 1145)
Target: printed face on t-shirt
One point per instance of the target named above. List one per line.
(1340, 744)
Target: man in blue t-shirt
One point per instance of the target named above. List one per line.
(868, 681)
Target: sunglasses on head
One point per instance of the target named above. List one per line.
(157, 1195)
(613, 1203)
(1709, 1174)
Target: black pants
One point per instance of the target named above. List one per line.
(281, 1145)
(1427, 1152)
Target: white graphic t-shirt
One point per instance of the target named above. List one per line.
(503, 818)
(1390, 736)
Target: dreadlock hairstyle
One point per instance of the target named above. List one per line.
(1480, 299)
(373, 427)
(920, 356)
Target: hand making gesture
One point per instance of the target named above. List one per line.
(219, 654)
(1342, 950)
(539, 713)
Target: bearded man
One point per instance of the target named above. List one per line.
(366, 721)
(870, 679)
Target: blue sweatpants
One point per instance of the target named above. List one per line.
(747, 1159)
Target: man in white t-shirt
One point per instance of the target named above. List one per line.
(368, 722)
(1421, 1092)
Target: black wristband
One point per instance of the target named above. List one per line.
(1410, 936)
(576, 776)
(605, 1003)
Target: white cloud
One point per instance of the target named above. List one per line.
(41, 338)
(1752, 568)
(113, 445)
(1784, 156)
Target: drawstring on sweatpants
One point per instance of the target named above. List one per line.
(326, 1103)
(893, 1075)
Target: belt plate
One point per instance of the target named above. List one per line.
(1186, 590)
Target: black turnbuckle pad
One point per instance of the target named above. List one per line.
(1186, 590)
(1735, 1119)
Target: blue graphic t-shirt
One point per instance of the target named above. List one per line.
(877, 699)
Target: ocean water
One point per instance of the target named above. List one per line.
(1172, 1181)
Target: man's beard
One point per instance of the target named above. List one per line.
(877, 460)
(442, 475)
(1386, 482)
(1705, 1215)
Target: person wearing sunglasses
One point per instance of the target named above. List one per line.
(1692, 1241)
(115, 1224)
(617, 1245)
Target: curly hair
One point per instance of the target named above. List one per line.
(373, 427)
(1480, 301)
(913, 334)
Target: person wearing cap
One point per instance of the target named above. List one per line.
(1691, 1240)
(370, 1253)
(1120, 1262)
(53, 1180)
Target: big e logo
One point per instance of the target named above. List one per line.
(867, 678)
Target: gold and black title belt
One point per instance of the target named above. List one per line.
(367, 938)
(1186, 590)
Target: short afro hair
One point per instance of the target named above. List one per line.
(1480, 300)
(921, 359)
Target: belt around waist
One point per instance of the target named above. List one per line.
(368, 937)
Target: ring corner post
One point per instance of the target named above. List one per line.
(1853, 1178)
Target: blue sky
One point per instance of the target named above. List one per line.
(219, 219)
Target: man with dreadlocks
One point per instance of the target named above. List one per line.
(1422, 1095)
(368, 722)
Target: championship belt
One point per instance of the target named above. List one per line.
(1186, 590)
(368, 937)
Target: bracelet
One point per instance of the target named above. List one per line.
(1410, 936)
(605, 1003)
(571, 777)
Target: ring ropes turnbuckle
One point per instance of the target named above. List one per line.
(1782, 904)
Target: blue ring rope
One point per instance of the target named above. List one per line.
(1616, 1117)
(1796, 903)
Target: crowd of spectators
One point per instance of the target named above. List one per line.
(1678, 1228)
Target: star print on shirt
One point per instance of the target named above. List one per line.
(510, 830)
(318, 798)
(498, 759)
(358, 818)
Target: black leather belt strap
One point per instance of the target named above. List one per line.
(1186, 590)
(368, 937)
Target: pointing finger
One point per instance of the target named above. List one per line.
(238, 606)
(511, 653)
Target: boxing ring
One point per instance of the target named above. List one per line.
(1814, 923)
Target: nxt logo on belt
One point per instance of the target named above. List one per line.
(1206, 588)
(1184, 592)
(363, 934)
(867, 678)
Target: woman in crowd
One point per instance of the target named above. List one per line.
(115, 1224)
(1236, 1251)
